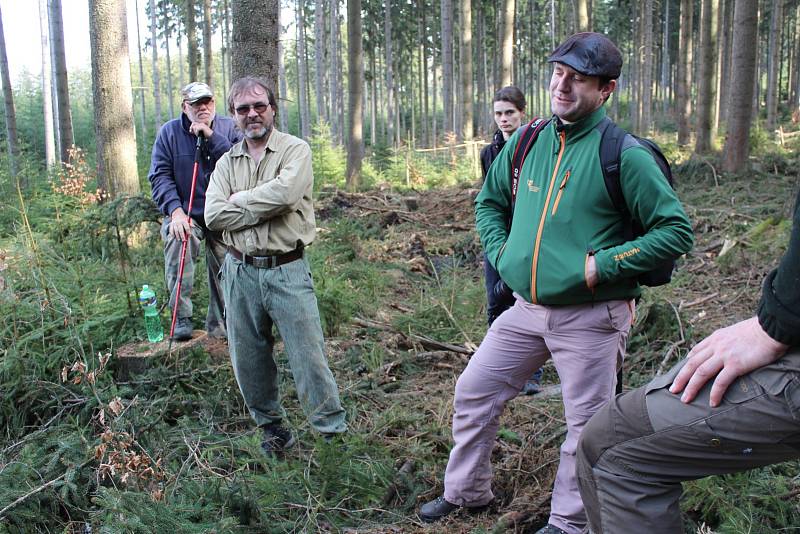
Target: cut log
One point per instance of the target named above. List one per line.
(135, 358)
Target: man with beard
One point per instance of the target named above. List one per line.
(260, 199)
(171, 180)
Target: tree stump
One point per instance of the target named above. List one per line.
(135, 358)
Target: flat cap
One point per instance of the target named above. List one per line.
(589, 53)
(196, 91)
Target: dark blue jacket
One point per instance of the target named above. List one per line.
(173, 160)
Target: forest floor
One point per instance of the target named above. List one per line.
(399, 282)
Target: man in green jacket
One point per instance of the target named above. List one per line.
(573, 274)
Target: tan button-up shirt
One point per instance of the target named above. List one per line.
(278, 215)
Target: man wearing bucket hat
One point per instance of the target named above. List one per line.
(573, 273)
(171, 180)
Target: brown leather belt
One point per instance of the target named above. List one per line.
(267, 262)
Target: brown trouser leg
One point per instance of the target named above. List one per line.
(636, 451)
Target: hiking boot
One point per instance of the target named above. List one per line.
(550, 529)
(277, 439)
(183, 329)
(436, 509)
(439, 508)
(531, 387)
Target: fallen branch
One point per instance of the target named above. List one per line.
(675, 345)
(422, 340)
(699, 301)
(39, 489)
(394, 488)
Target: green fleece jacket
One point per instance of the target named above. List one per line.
(563, 214)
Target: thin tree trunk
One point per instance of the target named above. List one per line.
(283, 117)
(507, 48)
(705, 81)
(647, 69)
(302, 72)
(319, 59)
(255, 40)
(466, 69)
(181, 79)
(447, 64)
(481, 74)
(726, 53)
(191, 40)
(8, 101)
(794, 93)
(665, 61)
(335, 75)
(112, 96)
(583, 16)
(775, 27)
(355, 75)
(157, 120)
(683, 96)
(743, 68)
(61, 79)
(208, 58)
(143, 111)
(426, 88)
(226, 50)
(390, 94)
(47, 96)
(373, 126)
(170, 94)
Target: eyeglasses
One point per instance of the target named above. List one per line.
(244, 109)
(202, 102)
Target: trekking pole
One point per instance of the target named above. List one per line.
(200, 139)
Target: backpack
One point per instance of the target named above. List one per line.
(612, 141)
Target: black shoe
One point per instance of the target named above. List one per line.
(183, 329)
(550, 529)
(531, 387)
(277, 439)
(436, 509)
(440, 508)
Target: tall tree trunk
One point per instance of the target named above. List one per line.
(775, 27)
(373, 101)
(481, 74)
(302, 72)
(283, 115)
(170, 95)
(726, 58)
(191, 40)
(255, 40)
(226, 49)
(319, 59)
(447, 64)
(466, 69)
(142, 108)
(208, 58)
(112, 97)
(794, 92)
(647, 68)
(390, 93)
(59, 59)
(157, 120)
(8, 101)
(583, 16)
(665, 61)
(337, 104)
(426, 89)
(181, 79)
(743, 68)
(705, 71)
(507, 47)
(47, 96)
(355, 75)
(683, 96)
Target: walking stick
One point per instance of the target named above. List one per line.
(200, 139)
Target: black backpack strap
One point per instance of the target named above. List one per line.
(528, 135)
(611, 141)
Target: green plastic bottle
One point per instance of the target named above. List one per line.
(152, 322)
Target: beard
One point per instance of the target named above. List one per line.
(257, 134)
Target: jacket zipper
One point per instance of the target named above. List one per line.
(562, 136)
(560, 192)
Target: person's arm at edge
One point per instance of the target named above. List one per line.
(161, 175)
(748, 345)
